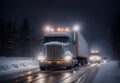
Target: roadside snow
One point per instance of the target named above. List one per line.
(13, 65)
(108, 73)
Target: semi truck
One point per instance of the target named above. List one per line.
(63, 47)
(95, 57)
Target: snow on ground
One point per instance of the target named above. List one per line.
(13, 65)
(108, 73)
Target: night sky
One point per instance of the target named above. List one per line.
(94, 16)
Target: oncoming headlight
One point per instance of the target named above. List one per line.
(41, 58)
(95, 58)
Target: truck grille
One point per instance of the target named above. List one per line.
(53, 51)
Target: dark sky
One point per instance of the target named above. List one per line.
(94, 16)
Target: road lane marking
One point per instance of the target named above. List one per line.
(74, 77)
(81, 69)
(83, 77)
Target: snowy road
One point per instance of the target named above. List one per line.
(84, 74)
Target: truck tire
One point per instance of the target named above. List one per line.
(77, 64)
(69, 67)
(82, 63)
(42, 68)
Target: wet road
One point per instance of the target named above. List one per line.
(81, 74)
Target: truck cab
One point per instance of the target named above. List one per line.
(57, 50)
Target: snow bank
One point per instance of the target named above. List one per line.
(11, 65)
(108, 73)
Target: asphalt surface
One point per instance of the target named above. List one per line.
(81, 74)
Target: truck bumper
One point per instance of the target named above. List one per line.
(55, 63)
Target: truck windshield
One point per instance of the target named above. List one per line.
(59, 39)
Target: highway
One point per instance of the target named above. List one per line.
(81, 74)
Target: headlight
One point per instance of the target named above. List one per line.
(41, 58)
(67, 58)
(94, 58)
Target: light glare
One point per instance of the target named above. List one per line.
(41, 58)
(68, 58)
(92, 58)
(52, 30)
(47, 28)
(76, 27)
(58, 29)
(67, 29)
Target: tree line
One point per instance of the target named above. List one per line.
(18, 41)
(115, 36)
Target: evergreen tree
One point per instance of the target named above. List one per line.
(32, 42)
(13, 39)
(2, 35)
(5, 40)
(9, 40)
(24, 38)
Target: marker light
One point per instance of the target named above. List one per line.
(47, 28)
(67, 29)
(62, 29)
(58, 29)
(52, 30)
